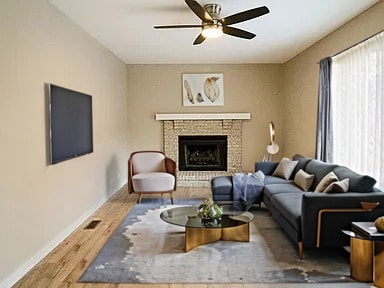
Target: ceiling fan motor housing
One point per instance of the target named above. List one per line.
(213, 10)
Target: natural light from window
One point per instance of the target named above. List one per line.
(357, 89)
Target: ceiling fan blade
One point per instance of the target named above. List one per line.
(199, 39)
(238, 32)
(199, 10)
(245, 15)
(176, 26)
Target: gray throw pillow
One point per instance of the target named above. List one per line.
(303, 180)
(326, 181)
(285, 168)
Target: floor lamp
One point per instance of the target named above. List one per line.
(272, 148)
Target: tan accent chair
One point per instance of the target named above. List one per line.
(151, 172)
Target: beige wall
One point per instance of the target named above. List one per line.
(40, 204)
(301, 80)
(247, 88)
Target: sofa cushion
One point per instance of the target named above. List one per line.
(303, 180)
(357, 182)
(148, 162)
(285, 168)
(269, 179)
(319, 169)
(221, 185)
(153, 182)
(289, 206)
(266, 167)
(303, 161)
(338, 187)
(326, 181)
(274, 189)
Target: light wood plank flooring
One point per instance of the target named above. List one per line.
(67, 262)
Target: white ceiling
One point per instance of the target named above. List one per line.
(126, 28)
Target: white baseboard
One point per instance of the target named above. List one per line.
(22, 270)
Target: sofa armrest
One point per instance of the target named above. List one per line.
(343, 208)
(266, 167)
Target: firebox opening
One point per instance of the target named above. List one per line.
(203, 153)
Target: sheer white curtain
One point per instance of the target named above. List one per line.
(357, 85)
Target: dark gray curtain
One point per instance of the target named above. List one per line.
(324, 135)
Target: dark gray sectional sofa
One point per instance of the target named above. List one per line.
(312, 219)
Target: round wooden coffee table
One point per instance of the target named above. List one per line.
(233, 225)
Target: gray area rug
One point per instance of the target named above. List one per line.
(145, 249)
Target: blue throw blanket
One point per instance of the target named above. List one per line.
(247, 187)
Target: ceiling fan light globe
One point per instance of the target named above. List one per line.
(212, 32)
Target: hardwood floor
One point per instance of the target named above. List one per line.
(67, 262)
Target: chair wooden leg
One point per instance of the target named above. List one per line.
(162, 193)
(140, 195)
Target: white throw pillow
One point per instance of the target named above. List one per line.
(303, 180)
(326, 181)
(285, 168)
(338, 187)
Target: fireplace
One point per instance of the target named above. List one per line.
(203, 125)
(203, 153)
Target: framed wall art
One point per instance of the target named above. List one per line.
(203, 90)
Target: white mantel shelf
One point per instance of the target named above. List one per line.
(203, 116)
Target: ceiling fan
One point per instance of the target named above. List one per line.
(213, 25)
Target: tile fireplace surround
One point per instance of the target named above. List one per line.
(229, 124)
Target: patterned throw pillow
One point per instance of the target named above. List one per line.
(303, 180)
(285, 168)
(326, 181)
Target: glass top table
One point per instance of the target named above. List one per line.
(187, 217)
(232, 226)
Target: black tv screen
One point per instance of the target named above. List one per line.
(70, 124)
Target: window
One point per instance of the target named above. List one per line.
(357, 89)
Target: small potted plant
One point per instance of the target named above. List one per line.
(209, 210)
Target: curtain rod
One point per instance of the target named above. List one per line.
(358, 43)
(354, 45)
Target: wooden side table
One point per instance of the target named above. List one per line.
(378, 264)
(367, 253)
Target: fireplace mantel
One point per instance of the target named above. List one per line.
(203, 116)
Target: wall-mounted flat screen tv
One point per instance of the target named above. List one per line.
(71, 132)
